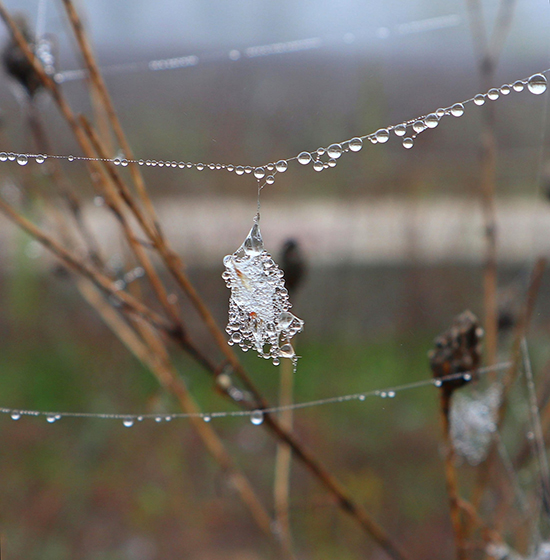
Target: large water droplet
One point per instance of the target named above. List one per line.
(22, 159)
(259, 172)
(493, 94)
(287, 351)
(270, 179)
(257, 417)
(457, 110)
(239, 170)
(400, 130)
(318, 165)
(518, 86)
(253, 244)
(505, 89)
(382, 135)
(304, 158)
(334, 151)
(479, 99)
(331, 163)
(432, 120)
(281, 166)
(419, 126)
(128, 422)
(537, 84)
(391, 394)
(3, 156)
(408, 143)
(11, 156)
(355, 144)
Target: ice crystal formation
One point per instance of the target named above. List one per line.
(473, 423)
(259, 315)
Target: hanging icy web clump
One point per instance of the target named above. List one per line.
(473, 423)
(259, 315)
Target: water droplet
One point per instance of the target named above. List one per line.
(51, 418)
(168, 418)
(206, 417)
(318, 165)
(362, 397)
(270, 167)
(493, 94)
(128, 422)
(400, 130)
(505, 89)
(276, 361)
(200, 167)
(158, 419)
(257, 417)
(22, 159)
(239, 170)
(457, 110)
(124, 163)
(230, 167)
(270, 179)
(140, 418)
(40, 158)
(467, 377)
(70, 158)
(408, 143)
(383, 394)
(15, 415)
(518, 86)
(391, 394)
(432, 120)
(287, 351)
(438, 382)
(331, 163)
(304, 158)
(419, 126)
(382, 135)
(320, 151)
(355, 144)
(479, 99)
(3, 156)
(373, 139)
(441, 113)
(11, 156)
(334, 151)
(181, 164)
(212, 166)
(253, 244)
(248, 169)
(281, 166)
(236, 337)
(259, 172)
(537, 84)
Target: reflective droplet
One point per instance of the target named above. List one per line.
(441, 113)
(457, 110)
(206, 417)
(199, 166)
(518, 86)
(281, 166)
(320, 151)
(318, 165)
(168, 419)
(15, 415)
(124, 163)
(408, 143)
(3, 156)
(11, 156)
(493, 94)
(40, 158)
(287, 351)
(158, 419)
(373, 139)
(248, 169)
(270, 179)
(253, 244)
(257, 417)
(212, 166)
(128, 422)
(400, 130)
(432, 120)
(304, 158)
(537, 84)
(51, 418)
(270, 167)
(505, 90)
(382, 135)
(479, 99)
(362, 397)
(438, 382)
(391, 394)
(22, 159)
(259, 172)
(331, 163)
(236, 337)
(355, 144)
(276, 361)
(230, 167)
(383, 394)
(467, 377)
(419, 126)
(70, 158)
(239, 170)
(334, 151)
(181, 164)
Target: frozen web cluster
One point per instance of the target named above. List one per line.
(473, 423)
(259, 315)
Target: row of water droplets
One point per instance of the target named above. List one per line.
(322, 158)
(256, 416)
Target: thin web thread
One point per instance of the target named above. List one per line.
(271, 49)
(265, 173)
(389, 392)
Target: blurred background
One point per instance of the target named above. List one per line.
(393, 242)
